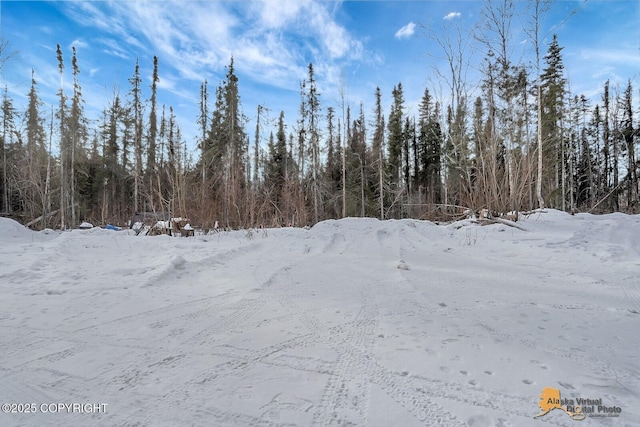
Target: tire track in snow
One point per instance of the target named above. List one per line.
(346, 396)
(242, 311)
(56, 356)
(632, 289)
(244, 359)
(345, 400)
(214, 416)
(14, 389)
(241, 360)
(281, 403)
(299, 363)
(162, 313)
(139, 372)
(18, 391)
(419, 405)
(413, 399)
(416, 394)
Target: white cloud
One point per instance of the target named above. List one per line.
(406, 31)
(451, 15)
(78, 44)
(336, 40)
(167, 82)
(275, 14)
(272, 41)
(610, 55)
(197, 38)
(113, 48)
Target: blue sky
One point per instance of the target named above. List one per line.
(354, 46)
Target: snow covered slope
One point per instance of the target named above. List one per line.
(353, 322)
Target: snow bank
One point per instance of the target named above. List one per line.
(10, 229)
(352, 322)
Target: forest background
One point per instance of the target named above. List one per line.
(497, 127)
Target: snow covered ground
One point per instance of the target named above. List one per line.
(353, 322)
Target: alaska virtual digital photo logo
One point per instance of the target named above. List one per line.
(577, 409)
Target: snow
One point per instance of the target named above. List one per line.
(352, 322)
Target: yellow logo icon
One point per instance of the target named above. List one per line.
(550, 400)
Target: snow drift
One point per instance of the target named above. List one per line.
(353, 322)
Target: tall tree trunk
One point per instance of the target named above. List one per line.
(381, 183)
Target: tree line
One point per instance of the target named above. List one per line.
(520, 140)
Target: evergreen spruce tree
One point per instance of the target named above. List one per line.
(629, 136)
(8, 129)
(136, 107)
(78, 130)
(606, 145)
(110, 206)
(378, 148)
(152, 135)
(585, 176)
(407, 134)
(33, 194)
(396, 135)
(553, 91)
(278, 172)
(333, 165)
(430, 140)
(234, 138)
(313, 105)
(64, 144)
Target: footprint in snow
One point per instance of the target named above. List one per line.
(402, 265)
